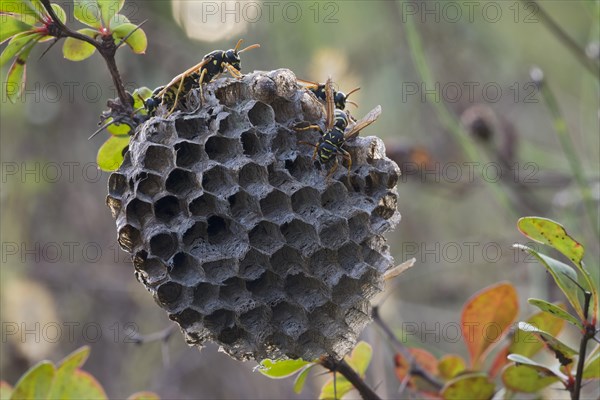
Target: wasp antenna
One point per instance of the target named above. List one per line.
(352, 91)
(254, 46)
(351, 102)
(237, 46)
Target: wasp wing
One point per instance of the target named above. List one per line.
(183, 75)
(308, 84)
(353, 130)
(329, 105)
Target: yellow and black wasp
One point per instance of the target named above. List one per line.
(212, 64)
(339, 98)
(339, 128)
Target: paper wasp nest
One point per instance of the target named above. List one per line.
(238, 234)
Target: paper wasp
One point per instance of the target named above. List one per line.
(339, 98)
(212, 64)
(339, 128)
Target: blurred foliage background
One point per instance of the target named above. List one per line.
(61, 265)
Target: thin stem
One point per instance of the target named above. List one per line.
(107, 50)
(588, 334)
(415, 368)
(560, 126)
(569, 43)
(350, 374)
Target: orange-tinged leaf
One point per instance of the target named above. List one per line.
(83, 386)
(470, 386)
(486, 318)
(36, 382)
(5, 390)
(424, 359)
(451, 365)
(499, 361)
(523, 378)
(65, 372)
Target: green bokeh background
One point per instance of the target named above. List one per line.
(61, 263)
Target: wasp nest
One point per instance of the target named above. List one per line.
(237, 232)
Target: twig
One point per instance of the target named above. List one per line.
(162, 335)
(589, 333)
(106, 48)
(569, 43)
(415, 368)
(350, 374)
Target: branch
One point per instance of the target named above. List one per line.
(107, 51)
(346, 370)
(589, 332)
(415, 368)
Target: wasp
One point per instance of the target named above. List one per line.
(212, 64)
(339, 128)
(339, 98)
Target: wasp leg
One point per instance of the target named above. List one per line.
(176, 97)
(306, 128)
(333, 169)
(346, 156)
(234, 72)
(200, 80)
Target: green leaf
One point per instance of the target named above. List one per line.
(144, 396)
(110, 155)
(556, 311)
(117, 20)
(16, 44)
(5, 390)
(523, 378)
(140, 95)
(560, 272)
(279, 369)
(451, 365)
(15, 80)
(360, 358)
(563, 353)
(525, 343)
(36, 382)
(544, 370)
(22, 7)
(342, 386)
(553, 234)
(83, 385)
(592, 368)
(137, 41)
(78, 50)
(470, 386)
(11, 25)
(65, 373)
(301, 378)
(87, 12)
(60, 13)
(108, 9)
(117, 129)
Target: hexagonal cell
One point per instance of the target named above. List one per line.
(306, 291)
(220, 181)
(333, 231)
(307, 202)
(374, 258)
(291, 319)
(268, 288)
(358, 226)
(218, 272)
(266, 237)
(284, 110)
(158, 158)
(117, 184)
(232, 335)
(324, 265)
(222, 149)
(187, 317)
(228, 124)
(208, 204)
(129, 238)
(326, 318)
(149, 185)
(347, 292)
(190, 128)
(219, 320)
(169, 293)
(231, 94)
(244, 208)
(335, 197)
(181, 182)
(257, 320)
(186, 269)
(163, 245)
(153, 269)
(253, 265)
(375, 182)
(386, 207)
(138, 211)
(235, 296)
(197, 232)
(261, 115)
(255, 179)
(187, 154)
(114, 205)
(206, 297)
(287, 260)
(302, 169)
(282, 180)
(251, 144)
(219, 229)
(167, 208)
(300, 236)
(284, 144)
(276, 205)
